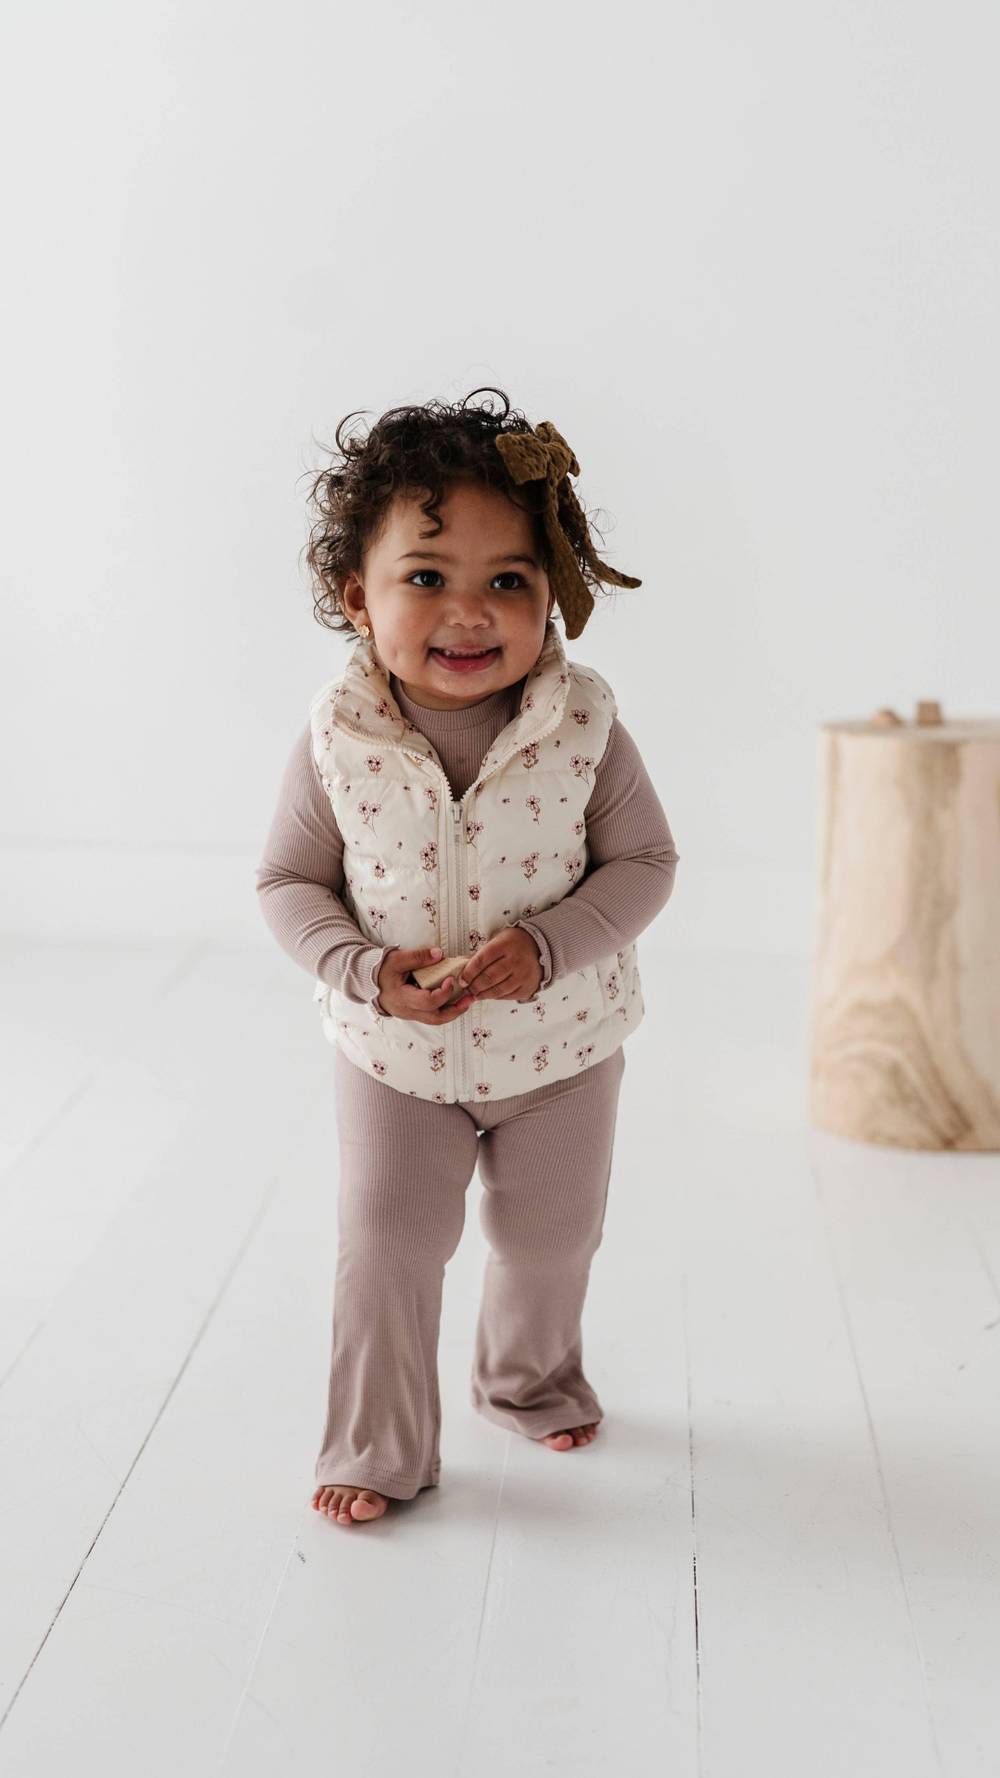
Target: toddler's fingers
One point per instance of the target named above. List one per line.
(431, 1004)
(407, 961)
(476, 965)
(424, 1000)
(448, 1013)
(492, 977)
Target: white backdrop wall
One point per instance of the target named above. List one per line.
(745, 257)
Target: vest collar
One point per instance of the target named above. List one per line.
(364, 707)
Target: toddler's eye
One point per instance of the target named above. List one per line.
(435, 576)
(510, 575)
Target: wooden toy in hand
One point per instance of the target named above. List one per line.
(435, 973)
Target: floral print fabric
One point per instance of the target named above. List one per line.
(415, 875)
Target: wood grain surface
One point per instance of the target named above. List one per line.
(906, 979)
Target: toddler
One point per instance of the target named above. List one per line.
(462, 791)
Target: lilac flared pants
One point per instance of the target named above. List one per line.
(544, 1160)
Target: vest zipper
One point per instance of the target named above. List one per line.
(459, 937)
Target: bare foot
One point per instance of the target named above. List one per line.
(576, 1435)
(348, 1505)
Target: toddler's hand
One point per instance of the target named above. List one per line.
(403, 1000)
(507, 967)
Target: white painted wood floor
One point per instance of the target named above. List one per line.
(779, 1558)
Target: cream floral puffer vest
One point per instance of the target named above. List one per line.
(422, 869)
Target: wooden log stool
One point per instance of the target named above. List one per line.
(906, 969)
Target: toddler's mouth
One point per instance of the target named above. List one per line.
(465, 660)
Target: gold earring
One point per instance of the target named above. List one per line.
(364, 631)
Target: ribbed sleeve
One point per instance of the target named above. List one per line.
(630, 872)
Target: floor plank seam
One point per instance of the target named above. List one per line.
(252, 1668)
(482, 1614)
(877, 1454)
(183, 968)
(694, 1529)
(189, 1355)
(984, 1258)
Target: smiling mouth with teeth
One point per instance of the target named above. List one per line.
(465, 660)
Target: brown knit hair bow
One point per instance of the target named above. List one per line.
(544, 455)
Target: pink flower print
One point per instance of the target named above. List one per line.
(473, 829)
(529, 865)
(481, 1037)
(374, 762)
(430, 908)
(368, 812)
(328, 733)
(583, 1055)
(503, 858)
(532, 803)
(378, 917)
(379, 868)
(429, 855)
(350, 882)
(383, 708)
(612, 984)
(399, 845)
(505, 799)
(583, 1016)
(476, 939)
(582, 764)
(410, 728)
(581, 717)
(526, 912)
(579, 828)
(528, 701)
(540, 1011)
(621, 959)
(436, 1060)
(564, 679)
(439, 1099)
(379, 1068)
(573, 867)
(474, 891)
(483, 1089)
(541, 1057)
(431, 795)
(529, 755)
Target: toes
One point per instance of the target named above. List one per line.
(573, 1435)
(346, 1505)
(368, 1505)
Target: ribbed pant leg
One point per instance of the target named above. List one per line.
(405, 1165)
(545, 1161)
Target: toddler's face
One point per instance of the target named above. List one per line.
(461, 613)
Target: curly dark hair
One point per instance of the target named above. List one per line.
(414, 448)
